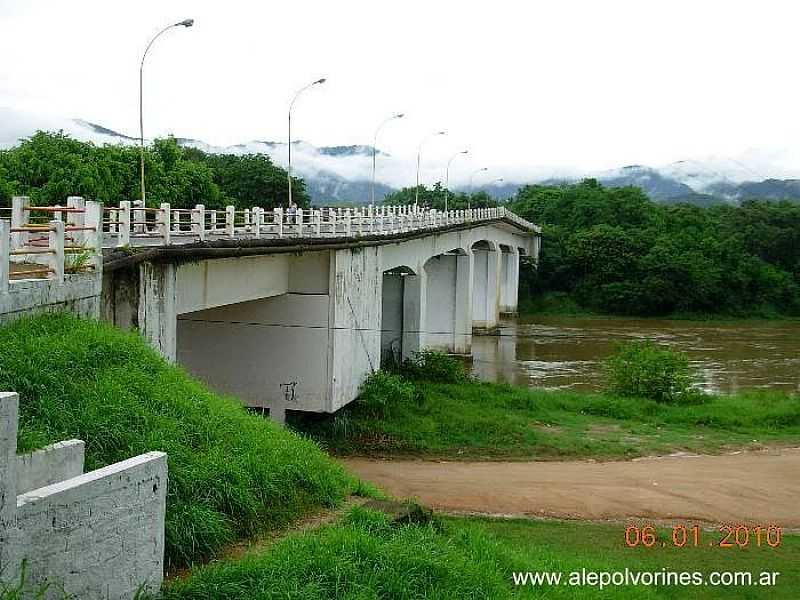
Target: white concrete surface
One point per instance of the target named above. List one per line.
(98, 535)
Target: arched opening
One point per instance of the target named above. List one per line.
(448, 319)
(509, 273)
(398, 313)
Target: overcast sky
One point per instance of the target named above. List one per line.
(526, 86)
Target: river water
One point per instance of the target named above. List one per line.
(567, 352)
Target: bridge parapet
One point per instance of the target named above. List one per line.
(131, 224)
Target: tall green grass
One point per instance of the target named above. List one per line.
(476, 420)
(231, 474)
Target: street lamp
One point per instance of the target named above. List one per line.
(419, 154)
(471, 178)
(291, 104)
(447, 175)
(374, 150)
(184, 23)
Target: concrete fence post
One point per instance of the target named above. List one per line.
(277, 217)
(20, 217)
(299, 216)
(230, 221)
(176, 220)
(332, 219)
(124, 223)
(93, 240)
(164, 223)
(318, 222)
(199, 222)
(139, 217)
(258, 220)
(212, 224)
(348, 223)
(56, 246)
(76, 219)
(5, 254)
(247, 220)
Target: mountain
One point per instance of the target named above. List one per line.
(342, 174)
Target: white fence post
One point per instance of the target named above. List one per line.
(199, 222)
(299, 217)
(258, 219)
(76, 219)
(277, 217)
(56, 246)
(139, 217)
(19, 218)
(5, 254)
(213, 222)
(348, 223)
(124, 223)
(318, 222)
(246, 220)
(93, 240)
(176, 220)
(230, 221)
(164, 223)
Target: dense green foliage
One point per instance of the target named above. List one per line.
(230, 473)
(433, 366)
(476, 420)
(434, 198)
(645, 370)
(49, 167)
(365, 556)
(615, 251)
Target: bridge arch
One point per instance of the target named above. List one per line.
(487, 266)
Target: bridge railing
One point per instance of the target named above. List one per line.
(130, 223)
(49, 242)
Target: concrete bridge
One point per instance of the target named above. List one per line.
(295, 309)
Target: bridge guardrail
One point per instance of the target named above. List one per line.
(131, 223)
(48, 242)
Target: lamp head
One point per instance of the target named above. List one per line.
(464, 152)
(319, 81)
(186, 23)
(399, 115)
(441, 132)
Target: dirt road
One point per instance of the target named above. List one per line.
(753, 487)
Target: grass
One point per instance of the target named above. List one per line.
(366, 556)
(485, 420)
(231, 474)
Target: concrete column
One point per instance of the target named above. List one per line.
(509, 281)
(414, 312)
(486, 289)
(462, 339)
(9, 560)
(157, 314)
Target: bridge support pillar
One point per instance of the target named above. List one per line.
(486, 288)
(448, 324)
(415, 297)
(465, 270)
(509, 281)
(157, 314)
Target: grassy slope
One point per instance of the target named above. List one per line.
(230, 473)
(366, 557)
(473, 420)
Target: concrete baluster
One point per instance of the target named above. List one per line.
(277, 216)
(258, 220)
(246, 220)
(359, 214)
(164, 220)
(212, 225)
(93, 240)
(57, 249)
(199, 222)
(5, 254)
(230, 221)
(318, 222)
(20, 217)
(299, 222)
(76, 219)
(139, 217)
(124, 217)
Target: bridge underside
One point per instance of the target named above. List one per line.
(302, 331)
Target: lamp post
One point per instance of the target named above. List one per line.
(471, 178)
(184, 23)
(419, 154)
(375, 151)
(291, 104)
(447, 175)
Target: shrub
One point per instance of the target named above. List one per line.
(433, 366)
(645, 370)
(380, 390)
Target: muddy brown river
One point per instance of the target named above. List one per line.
(567, 352)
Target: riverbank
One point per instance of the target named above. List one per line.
(475, 420)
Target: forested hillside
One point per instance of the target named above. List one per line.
(48, 167)
(613, 250)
